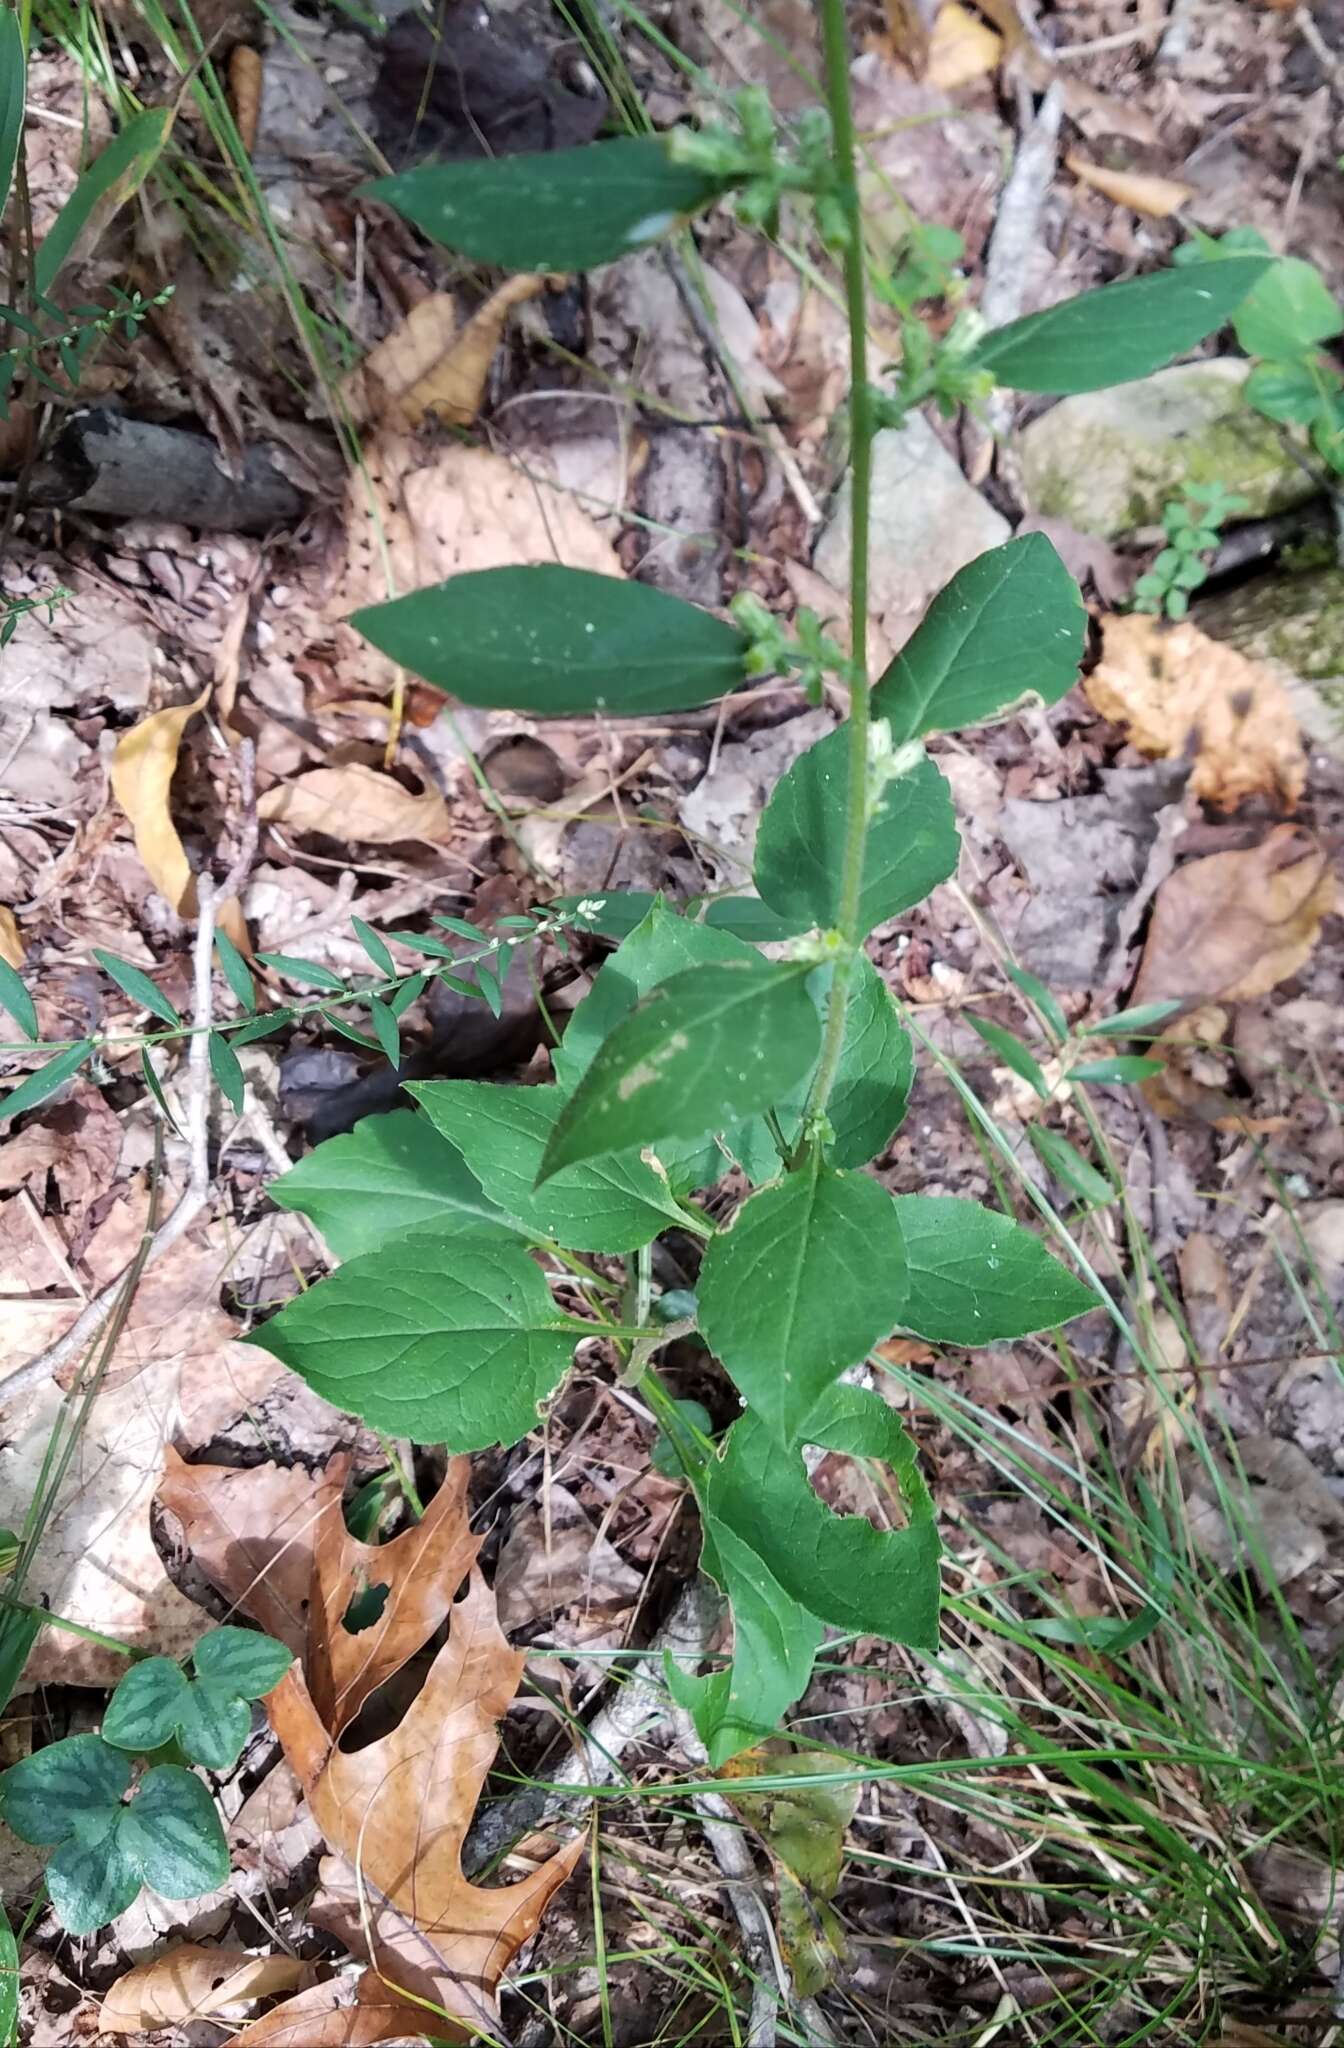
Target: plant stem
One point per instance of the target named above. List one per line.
(73, 1628)
(835, 39)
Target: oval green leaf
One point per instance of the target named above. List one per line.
(241, 1661)
(144, 1711)
(135, 983)
(974, 1275)
(562, 209)
(214, 1726)
(1008, 629)
(707, 1047)
(391, 1174)
(557, 641)
(1120, 332)
(1289, 310)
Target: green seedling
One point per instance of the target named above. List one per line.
(1193, 525)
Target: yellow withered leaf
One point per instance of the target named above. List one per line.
(143, 766)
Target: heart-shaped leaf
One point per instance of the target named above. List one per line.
(146, 1707)
(171, 1834)
(49, 1795)
(241, 1661)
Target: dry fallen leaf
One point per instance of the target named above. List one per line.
(246, 78)
(396, 1812)
(143, 766)
(962, 48)
(192, 1982)
(1141, 190)
(355, 803)
(910, 25)
(428, 367)
(11, 943)
(1176, 693)
(1233, 925)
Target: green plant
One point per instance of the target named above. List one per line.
(1282, 323)
(71, 1796)
(694, 1052)
(1192, 525)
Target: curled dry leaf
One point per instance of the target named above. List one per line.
(143, 767)
(1141, 190)
(1233, 925)
(245, 84)
(428, 367)
(1176, 693)
(961, 49)
(191, 1982)
(11, 941)
(355, 802)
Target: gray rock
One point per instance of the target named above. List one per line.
(1108, 461)
(927, 522)
(1295, 622)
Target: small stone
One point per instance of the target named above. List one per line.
(1295, 624)
(1108, 461)
(927, 522)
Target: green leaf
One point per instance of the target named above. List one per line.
(374, 947)
(613, 1205)
(35, 1088)
(1009, 628)
(235, 971)
(13, 60)
(449, 1341)
(1122, 1068)
(663, 1456)
(877, 1068)
(391, 1174)
(709, 1046)
(912, 839)
(1045, 1000)
(775, 1640)
(19, 1630)
(241, 1661)
(564, 209)
(155, 1087)
(1120, 332)
(1128, 1023)
(132, 981)
(92, 1880)
(9, 1948)
(227, 1069)
(55, 1792)
(558, 641)
(1011, 1051)
(975, 1275)
(1069, 1166)
(746, 917)
(107, 184)
(214, 1723)
(1288, 392)
(264, 1026)
(803, 1285)
(617, 911)
(171, 1834)
(146, 1707)
(1289, 310)
(302, 970)
(14, 995)
(385, 1030)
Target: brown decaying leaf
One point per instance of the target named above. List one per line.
(11, 942)
(192, 1982)
(1176, 692)
(245, 82)
(1142, 190)
(910, 25)
(354, 802)
(428, 367)
(143, 765)
(1234, 925)
(961, 49)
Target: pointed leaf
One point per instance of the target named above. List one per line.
(775, 1641)
(912, 839)
(1131, 1023)
(155, 1087)
(1009, 628)
(227, 1069)
(810, 1275)
(214, 1724)
(235, 971)
(391, 1174)
(877, 1068)
(13, 60)
(709, 1046)
(91, 1881)
(242, 1661)
(1120, 332)
(1011, 1051)
(171, 1833)
(15, 998)
(1123, 1067)
(612, 913)
(562, 209)
(975, 1275)
(448, 1342)
(144, 1711)
(57, 1790)
(612, 1205)
(374, 947)
(108, 183)
(132, 981)
(36, 1087)
(385, 1030)
(1046, 1002)
(558, 641)
(1069, 1166)
(302, 970)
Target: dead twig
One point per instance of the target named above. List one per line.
(1008, 259)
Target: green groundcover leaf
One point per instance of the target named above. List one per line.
(974, 1275)
(37, 1086)
(93, 1879)
(562, 209)
(241, 1661)
(811, 1274)
(610, 1205)
(439, 1337)
(1010, 626)
(15, 998)
(147, 1705)
(171, 1833)
(389, 1175)
(557, 641)
(214, 1725)
(50, 1795)
(1120, 332)
(707, 1047)
(912, 839)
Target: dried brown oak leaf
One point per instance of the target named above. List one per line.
(1233, 925)
(192, 1982)
(1177, 694)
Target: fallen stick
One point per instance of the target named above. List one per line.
(132, 469)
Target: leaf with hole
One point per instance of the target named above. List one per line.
(610, 1205)
(36, 1087)
(1009, 628)
(443, 1339)
(809, 1277)
(912, 839)
(557, 641)
(706, 1048)
(974, 1276)
(1120, 332)
(562, 209)
(390, 1175)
